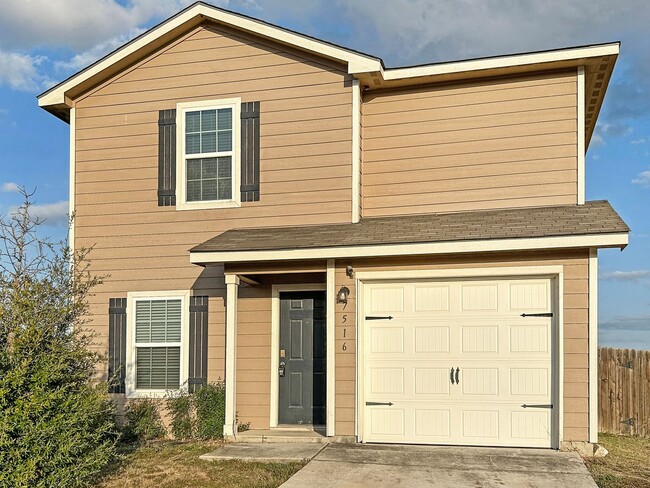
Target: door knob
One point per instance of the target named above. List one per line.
(281, 369)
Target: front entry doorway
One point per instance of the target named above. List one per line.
(302, 381)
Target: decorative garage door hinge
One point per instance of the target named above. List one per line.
(545, 314)
(529, 405)
(373, 404)
(374, 317)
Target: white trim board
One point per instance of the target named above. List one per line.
(593, 345)
(275, 345)
(554, 272)
(72, 180)
(356, 151)
(581, 134)
(487, 245)
(498, 62)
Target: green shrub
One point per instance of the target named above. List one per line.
(57, 424)
(210, 405)
(143, 422)
(180, 406)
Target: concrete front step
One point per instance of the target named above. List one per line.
(284, 436)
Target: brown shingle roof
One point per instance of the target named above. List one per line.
(597, 217)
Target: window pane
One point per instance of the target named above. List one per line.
(209, 168)
(224, 118)
(225, 140)
(157, 368)
(208, 120)
(193, 143)
(225, 188)
(208, 142)
(193, 169)
(158, 321)
(210, 190)
(225, 167)
(192, 122)
(193, 191)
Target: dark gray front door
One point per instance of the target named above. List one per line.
(302, 358)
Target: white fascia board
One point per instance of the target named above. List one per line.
(357, 63)
(489, 245)
(501, 62)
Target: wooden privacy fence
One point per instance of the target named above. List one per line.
(624, 391)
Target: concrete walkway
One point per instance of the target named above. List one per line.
(266, 453)
(375, 466)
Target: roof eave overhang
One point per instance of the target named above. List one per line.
(615, 240)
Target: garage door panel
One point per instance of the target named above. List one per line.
(458, 362)
(431, 339)
(386, 422)
(527, 296)
(477, 338)
(433, 423)
(431, 298)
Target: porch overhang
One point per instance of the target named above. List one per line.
(592, 225)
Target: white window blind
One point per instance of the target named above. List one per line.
(158, 344)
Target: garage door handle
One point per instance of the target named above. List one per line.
(451, 376)
(457, 379)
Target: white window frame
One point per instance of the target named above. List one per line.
(181, 166)
(130, 380)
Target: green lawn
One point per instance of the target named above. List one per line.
(177, 465)
(626, 466)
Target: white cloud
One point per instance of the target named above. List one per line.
(77, 24)
(633, 276)
(21, 71)
(96, 52)
(10, 187)
(51, 213)
(641, 140)
(643, 179)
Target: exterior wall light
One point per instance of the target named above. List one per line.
(342, 295)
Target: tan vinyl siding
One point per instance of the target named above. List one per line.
(576, 326)
(488, 144)
(305, 136)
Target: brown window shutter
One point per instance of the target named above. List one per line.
(198, 366)
(116, 344)
(250, 151)
(167, 158)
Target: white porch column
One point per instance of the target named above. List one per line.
(330, 301)
(232, 285)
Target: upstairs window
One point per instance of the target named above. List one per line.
(209, 159)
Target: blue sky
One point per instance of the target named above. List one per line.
(44, 41)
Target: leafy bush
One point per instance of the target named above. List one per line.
(210, 405)
(180, 406)
(143, 422)
(57, 423)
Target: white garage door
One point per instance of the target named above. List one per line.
(457, 363)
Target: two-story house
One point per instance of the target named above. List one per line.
(387, 254)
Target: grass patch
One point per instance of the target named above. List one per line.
(626, 466)
(177, 465)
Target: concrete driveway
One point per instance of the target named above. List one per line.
(379, 466)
